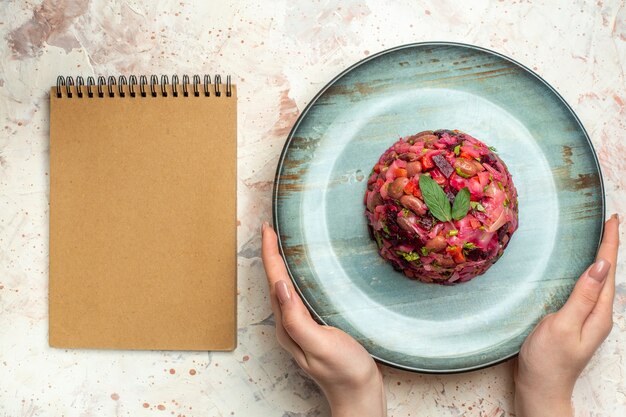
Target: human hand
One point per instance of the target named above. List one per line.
(559, 348)
(343, 369)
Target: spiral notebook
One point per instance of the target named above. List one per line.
(143, 213)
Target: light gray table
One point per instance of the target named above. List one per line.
(280, 53)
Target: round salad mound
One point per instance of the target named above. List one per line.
(441, 206)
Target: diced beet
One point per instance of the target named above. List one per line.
(426, 221)
(391, 208)
(440, 132)
(489, 158)
(503, 231)
(457, 141)
(443, 165)
(476, 255)
(481, 217)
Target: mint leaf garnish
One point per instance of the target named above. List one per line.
(435, 199)
(461, 204)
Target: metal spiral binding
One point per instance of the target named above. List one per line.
(66, 87)
(143, 80)
(90, 83)
(175, 85)
(69, 82)
(101, 83)
(164, 83)
(196, 82)
(154, 80)
(122, 83)
(80, 82)
(207, 83)
(229, 87)
(111, 83)
(218, 81)
(185, 85)
(132, 82)
(60, 82)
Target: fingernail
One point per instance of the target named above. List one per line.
(600, 269)
(615, 216)
(282, 292)
(264, 226)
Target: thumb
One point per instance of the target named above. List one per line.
(585, 294)
(297, 321)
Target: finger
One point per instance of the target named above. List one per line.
(272, 271)
(295, 324)
(275, 268)
(283, 338)
(600, 321)
(276, 271)
(584, 296)
(272, 261)
(297, 321)
(608, 250)
(274, 265)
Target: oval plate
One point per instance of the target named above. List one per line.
(322, 176)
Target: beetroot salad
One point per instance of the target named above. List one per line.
(441, 206)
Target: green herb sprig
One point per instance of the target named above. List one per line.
(438, 203)
(461, 204)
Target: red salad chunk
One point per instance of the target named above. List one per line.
(441, 206)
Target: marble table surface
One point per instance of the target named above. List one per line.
(281, 53)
